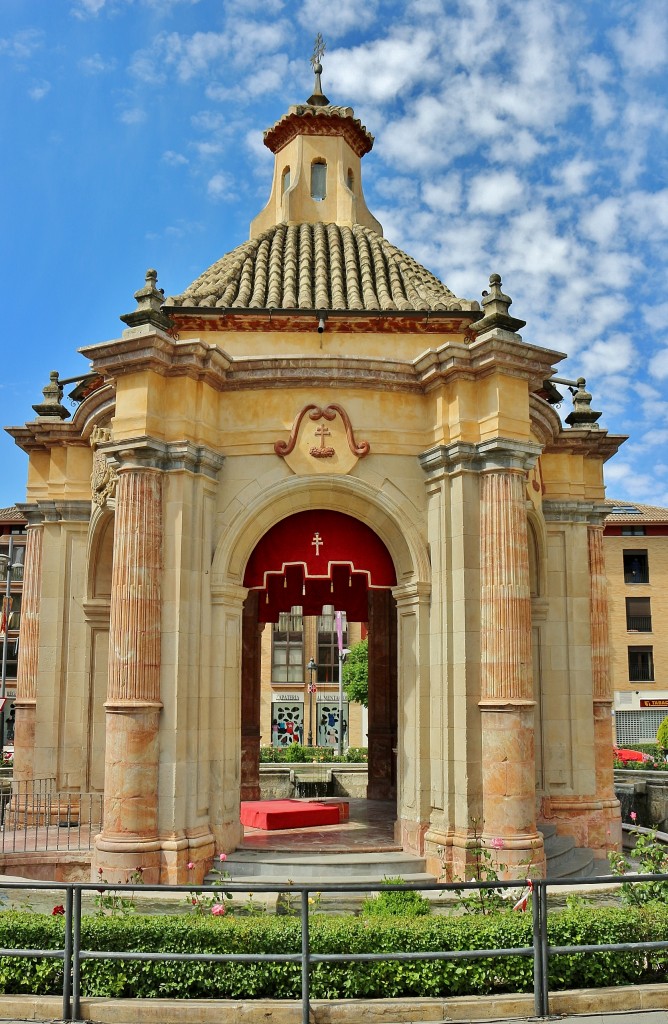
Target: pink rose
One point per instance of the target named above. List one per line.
(633, 816)
(497, 844)
(218, 909)
(222, 857)
(190, 865)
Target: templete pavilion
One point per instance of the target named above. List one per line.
(318, 421)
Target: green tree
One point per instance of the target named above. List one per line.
(356, 673)
(662, 734)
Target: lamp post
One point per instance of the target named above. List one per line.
(6, 567)
(312, 667)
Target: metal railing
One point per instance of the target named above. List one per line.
(540, 951)
(34, 816)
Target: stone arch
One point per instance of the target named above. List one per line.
(397, 522)
(97, 608)
(392, 520)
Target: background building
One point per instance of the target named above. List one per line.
(12, 528)
(636, 560)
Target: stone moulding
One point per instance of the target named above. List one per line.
(315, 412)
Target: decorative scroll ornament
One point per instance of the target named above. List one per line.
(104, 477)
(315, 412)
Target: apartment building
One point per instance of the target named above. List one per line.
(12, 543)
(636, 557)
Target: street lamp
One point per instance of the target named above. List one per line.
(312, 667)
(6, 569)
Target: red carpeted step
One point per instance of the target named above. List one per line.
(270, 815)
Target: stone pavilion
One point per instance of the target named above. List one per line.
(318, 420)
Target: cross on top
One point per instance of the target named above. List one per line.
(318, 51)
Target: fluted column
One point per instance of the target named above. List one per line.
(26, 682)
(506, 701)
(608, 835)
(130, 835)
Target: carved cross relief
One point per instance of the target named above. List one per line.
(328, 447)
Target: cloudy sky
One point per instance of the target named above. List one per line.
(526, 137)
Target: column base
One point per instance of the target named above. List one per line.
(458, 855)
(596, 824)
(411, 835)
(117, 859)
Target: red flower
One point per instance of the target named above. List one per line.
(60, 909)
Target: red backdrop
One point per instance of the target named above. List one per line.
(317, 558)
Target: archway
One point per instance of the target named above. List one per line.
(310, 561)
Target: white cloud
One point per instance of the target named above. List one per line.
(573, 175)
(96, 64)
(658, 365)
(23, 44)
(133, 115)
(642, 42)
(39, 90)
(173, 158)
(219, 187)
(87, 8)
(338, 20)
(382, 69)
(602, 222)
(495, 192)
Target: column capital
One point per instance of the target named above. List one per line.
(55, 512)
(165, 456)
(412, 593)
(498, 453)
(591, 512)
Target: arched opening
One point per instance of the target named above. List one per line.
(322, 579)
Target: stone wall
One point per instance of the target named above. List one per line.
(645, 793)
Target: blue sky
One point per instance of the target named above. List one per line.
(525, 137)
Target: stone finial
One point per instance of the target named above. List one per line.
(317, 99)
(149, 305)
(52, 407)
(582, 415)
(495, 306)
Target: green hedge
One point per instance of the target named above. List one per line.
(334, 934)
(296, 753)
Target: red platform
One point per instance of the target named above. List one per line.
(270, 815)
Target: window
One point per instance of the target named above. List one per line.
(633, 531)
(14, 617)
(641, 665)
(638, 615)
(318, 180)
(12, 657)
(18, 560)
(285, 181)
(636, 567)
(350, 181)
(287, 654)
(328, 648)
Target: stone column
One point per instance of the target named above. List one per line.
(251, 671)
(382, 696)
(604, 834)
(130, 834)
(507, 700)
(26, 682)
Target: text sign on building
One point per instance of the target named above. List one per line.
(289, 698)
(657, 702)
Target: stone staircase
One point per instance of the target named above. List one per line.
(280, 867)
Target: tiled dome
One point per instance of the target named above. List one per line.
(319, 266)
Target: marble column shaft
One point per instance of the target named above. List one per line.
(26, 682)
(507, 706)
(133, 694)
(600, 663)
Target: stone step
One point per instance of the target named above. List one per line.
(304, 867)
(563, 858)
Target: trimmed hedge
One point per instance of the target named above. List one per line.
(295, 753)
(582, 924)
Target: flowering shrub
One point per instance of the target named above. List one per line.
(652, 856)
(202, 902)
(110, 902)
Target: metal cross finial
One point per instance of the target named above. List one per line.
(318, 51)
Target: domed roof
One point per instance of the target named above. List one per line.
(319, 266)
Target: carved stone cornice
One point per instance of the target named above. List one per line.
(586, 442)
(574, 511)
(32, 512)
(163, 456)
(499, 453)
(65, 511)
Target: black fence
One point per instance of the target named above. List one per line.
(73, 954)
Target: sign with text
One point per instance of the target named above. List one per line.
(656, 702)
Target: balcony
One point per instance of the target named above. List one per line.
(639, 623)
